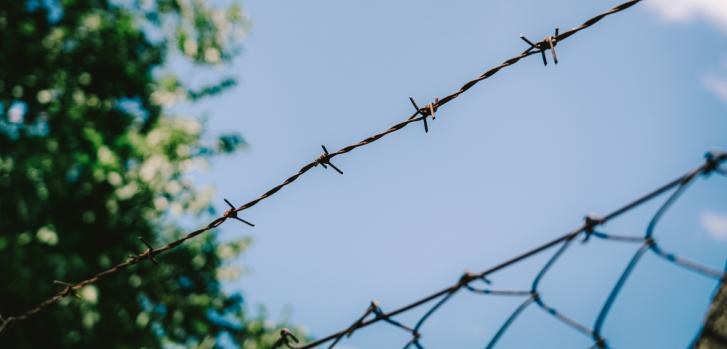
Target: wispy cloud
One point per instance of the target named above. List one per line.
(716, 85)
(715, 224)
(713, 11)
(716, 81)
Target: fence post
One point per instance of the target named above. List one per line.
(714, 332)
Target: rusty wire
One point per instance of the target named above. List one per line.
(420, 114)
(532, 296)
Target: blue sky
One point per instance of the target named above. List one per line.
(514, 162)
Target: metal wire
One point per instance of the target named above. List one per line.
(420, 114)
(647, 243)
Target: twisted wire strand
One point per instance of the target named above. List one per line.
(618, 238)
(685, 263)
(539, 298)
(509, 321)
(323, 160)
(515, 293)
(617, 287)
(371, 309)
(679, 185)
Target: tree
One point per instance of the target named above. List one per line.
(92, 158)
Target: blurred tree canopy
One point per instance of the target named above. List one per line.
(92, 156)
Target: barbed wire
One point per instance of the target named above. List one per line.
(533, 296)
(420, 114)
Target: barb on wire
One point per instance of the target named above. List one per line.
(429, 110)
(286, 338)
(68, 289)
(147, 254)
(548, 43)
(232, 213)
(324, 160)
(587, 228)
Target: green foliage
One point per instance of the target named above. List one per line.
(90, 160)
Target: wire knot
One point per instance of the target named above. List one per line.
(548, 43)
(469, 276)
(712, 161)
(466, 278)
(600, 341)
(232, 213)
(589, 225)
(650, 242)
(325, 159)
(373, 308)
(429, 110)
